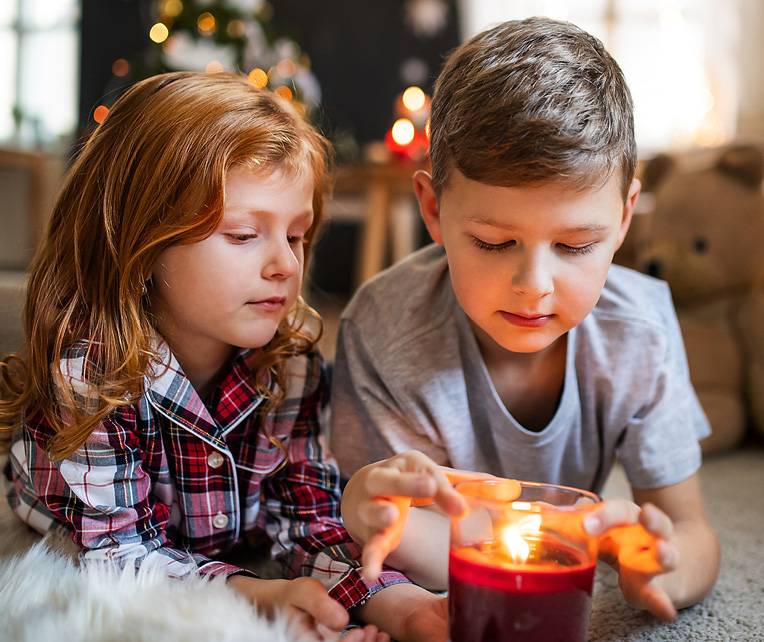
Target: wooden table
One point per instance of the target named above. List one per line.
(381, 187)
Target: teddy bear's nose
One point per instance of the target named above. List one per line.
(654, 268)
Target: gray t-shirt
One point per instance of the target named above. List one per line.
(409, 375)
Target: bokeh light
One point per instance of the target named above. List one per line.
(283, 91)
(286, 68)
(206, 23)
(258, 78)
(413, 99)
(235, 28)
(120, 67)
(159, 32)
(403, 131)
(214, 67)
(100, 112)
(173, 8)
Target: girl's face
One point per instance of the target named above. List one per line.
(235, 287)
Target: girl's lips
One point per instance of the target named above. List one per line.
(527, 321)
(272, 304)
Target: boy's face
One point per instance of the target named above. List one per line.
(527, 263)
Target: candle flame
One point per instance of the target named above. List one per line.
(514, 536)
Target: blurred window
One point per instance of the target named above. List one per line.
(39, 47)
(678, 57)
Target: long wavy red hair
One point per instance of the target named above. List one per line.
(152, 175)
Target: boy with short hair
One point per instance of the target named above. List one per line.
(512, 346)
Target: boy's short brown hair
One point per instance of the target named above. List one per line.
(532, 101)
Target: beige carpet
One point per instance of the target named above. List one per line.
(733, 488)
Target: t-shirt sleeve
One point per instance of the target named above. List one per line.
(660, 444)
(369, 419)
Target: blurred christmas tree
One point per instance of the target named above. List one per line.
(230, 35)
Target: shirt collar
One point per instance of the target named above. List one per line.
(170, 390)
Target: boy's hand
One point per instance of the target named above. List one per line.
(408, 613)
(377, 499)
(636, 542)
(312, 615)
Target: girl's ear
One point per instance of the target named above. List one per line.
(428, 204)
(628, 210)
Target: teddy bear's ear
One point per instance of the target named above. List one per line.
(655, 172)
(743, 162)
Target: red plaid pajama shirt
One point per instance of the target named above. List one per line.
(166, 482)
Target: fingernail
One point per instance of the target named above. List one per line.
(592, 524)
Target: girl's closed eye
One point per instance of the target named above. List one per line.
(241, 237)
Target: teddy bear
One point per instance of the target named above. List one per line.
(705, 238)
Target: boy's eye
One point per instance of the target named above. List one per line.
(491, 247)
(576, 249)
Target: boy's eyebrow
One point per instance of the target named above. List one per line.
(586, 227)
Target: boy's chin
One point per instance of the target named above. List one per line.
(514, 342)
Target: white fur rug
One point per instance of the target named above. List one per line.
(45, 595)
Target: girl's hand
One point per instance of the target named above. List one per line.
(377, 499)
(637, 542)
(311, 613)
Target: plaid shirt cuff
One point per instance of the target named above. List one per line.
(353, 591)
(214, 568)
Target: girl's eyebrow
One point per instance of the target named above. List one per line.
(255, 213)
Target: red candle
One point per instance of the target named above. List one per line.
(494, 599)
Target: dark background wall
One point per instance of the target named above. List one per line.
(357, 48)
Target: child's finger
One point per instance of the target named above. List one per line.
(378, 513)
(656, 521)
(657, 602)
(385, 482)
(374, 554)
(309, 595)
(612, 513)
(368, 633)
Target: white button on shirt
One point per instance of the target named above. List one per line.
(220, 520)
(215, 459)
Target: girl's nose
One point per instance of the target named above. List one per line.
(533, 276)
(282, 261)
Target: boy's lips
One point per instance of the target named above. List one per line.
(529, 320)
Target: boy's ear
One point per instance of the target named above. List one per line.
(428, 204)
(628, 210)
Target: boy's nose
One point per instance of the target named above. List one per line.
(533, 277)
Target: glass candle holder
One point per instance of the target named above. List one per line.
(521, 566)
